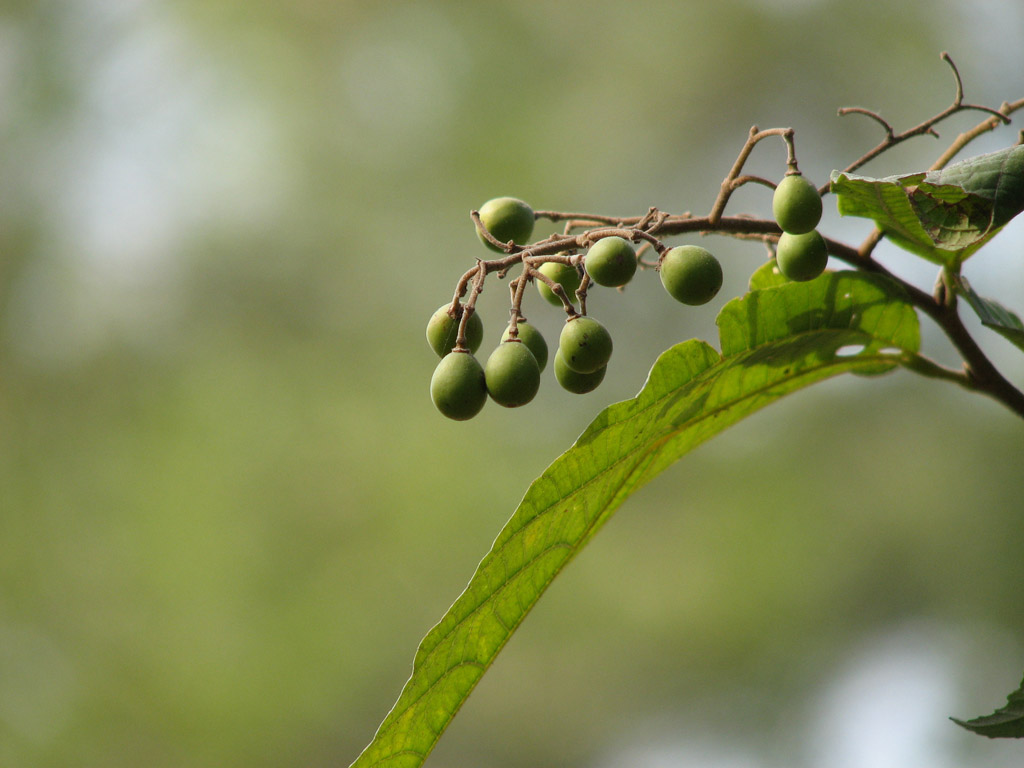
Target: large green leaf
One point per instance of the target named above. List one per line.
(775, 341)
(1005, 723)
(943, 215)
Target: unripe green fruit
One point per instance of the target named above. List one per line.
(801, 257)
(611, 262)
(691, 274)
(442, 331)
(533, 340)
(507, 219)
(458, 386)
(564, 274)
(796, 205)
(573, 381)
(585, 344)
(512, 374)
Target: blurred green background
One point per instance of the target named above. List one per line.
(228, 509)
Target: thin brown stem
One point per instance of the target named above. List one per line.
(555, 286)
(470, 307)
(889, 132)
(587, 218)
(868, 246)
(517, 302)
(728, 184)
(581, 293)
(746, 179)
(965, 138)
(925, 128)
(509, 247)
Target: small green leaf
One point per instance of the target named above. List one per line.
(887, 202)
(1005, 723)
(993, 314)
(997, 177)
(776, 341)
(943, 215)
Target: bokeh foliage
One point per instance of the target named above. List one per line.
(228, 511)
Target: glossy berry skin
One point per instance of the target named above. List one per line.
(691, 274)
(796, 205)
(585, 344)
(801, 257)
(442, 331)
(512, 374)
(572, 381)
(507, 218)
(565, 274)
(458, 386)
(533, 340)
(611, 262)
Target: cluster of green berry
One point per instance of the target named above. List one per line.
(801, 253)
(460, 385)
(511, 377)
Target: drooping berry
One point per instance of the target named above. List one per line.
(585, 344)
(611, 261)
(512, 374)
(507, 218)
(442, 330)
(533, 340)
(573, 381)
(458, 387)
(796, 205)
(691, 274)
(801, 257)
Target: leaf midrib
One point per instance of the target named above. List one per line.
(649, 449)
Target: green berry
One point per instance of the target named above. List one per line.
(564, 274)
(573, 381)
(507, 219)
(585, 344)
(796, 205)
(442, 330)
(801, 257)
(512, 374)
(458, 386)
(533, 340)
(611, 261)
(691, 274)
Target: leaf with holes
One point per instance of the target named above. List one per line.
(945, 215)
(774, 340)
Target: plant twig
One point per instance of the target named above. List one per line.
(985, 126)
(979, 372)
(925, 128)
(650, 229)
(732, 180)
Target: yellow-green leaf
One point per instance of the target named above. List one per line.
(775, 341)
